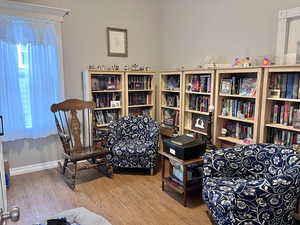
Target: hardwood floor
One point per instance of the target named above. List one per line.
(127, 199)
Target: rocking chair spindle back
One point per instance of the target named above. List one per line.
(78, 145)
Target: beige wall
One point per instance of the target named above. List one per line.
(84, 43)
(166, 33)
(193, 29)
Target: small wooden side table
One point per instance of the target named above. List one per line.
(168, 181)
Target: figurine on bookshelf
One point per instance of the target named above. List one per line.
(135, 67)
(126, 68)
(147, 69)
(115, 67)
(92, 67)
(223, 132)
(242, 62)
(266, 61)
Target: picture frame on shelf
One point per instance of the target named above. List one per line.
(274, 93)
(200, 122)
(117, 43)
(115, 103)
(226, 85)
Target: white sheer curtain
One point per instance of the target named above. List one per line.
(30, 78)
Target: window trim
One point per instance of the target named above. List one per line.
(33, 10)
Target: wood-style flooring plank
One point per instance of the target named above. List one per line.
(127, 199)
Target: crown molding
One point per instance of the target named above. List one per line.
(32, 10)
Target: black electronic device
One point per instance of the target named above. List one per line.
(192, 150)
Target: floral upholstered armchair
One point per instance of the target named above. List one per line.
(253, 184)
(133, 142)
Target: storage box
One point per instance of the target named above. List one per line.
(188, 151)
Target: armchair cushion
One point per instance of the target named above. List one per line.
(254, 184)
(133, 142)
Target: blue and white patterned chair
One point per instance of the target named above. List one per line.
(252, 185)
(133, 142)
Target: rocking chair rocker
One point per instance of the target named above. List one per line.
(89, 153)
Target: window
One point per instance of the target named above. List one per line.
(24, 83)
(31, 76)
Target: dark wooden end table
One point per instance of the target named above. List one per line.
(182, 189)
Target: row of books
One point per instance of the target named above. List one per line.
(139, 111)
(172, 82)
(238, 108)
(139, 82)
(170, 117)
(283, 137)
(173, 100)
(286, 114)
(106, 116)
(239, 86)
(199, 103)
(199, 83)
(287, 85)
(239, 130)
(101, 83)
(106, 100)
(139, 98)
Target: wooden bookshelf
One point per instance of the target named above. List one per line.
(267, 123)
(198, 85)
(109, 83)
(220, 120)
(168, 92)
(138, 84)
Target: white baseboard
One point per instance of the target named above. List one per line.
(33, 168)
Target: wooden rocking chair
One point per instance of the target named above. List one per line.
(89, 153)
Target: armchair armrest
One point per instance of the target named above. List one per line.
(223, 162)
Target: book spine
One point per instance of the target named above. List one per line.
(295, 85)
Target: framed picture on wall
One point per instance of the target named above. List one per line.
(117, 44)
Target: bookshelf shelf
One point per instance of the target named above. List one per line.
(144, 90)
(198, 96)
(283, 127)
(138, 106)
(195, 131)
(234, 92)
(279, 111)
(139, 93)
(170, 99)
(174, 91)
(198, 93)
(102, 125)
(107, 108)
(107, 91)
(236, 96)
(197, 112)
(236, 119)
(284, 99)
(169, 107)
(232, 140)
